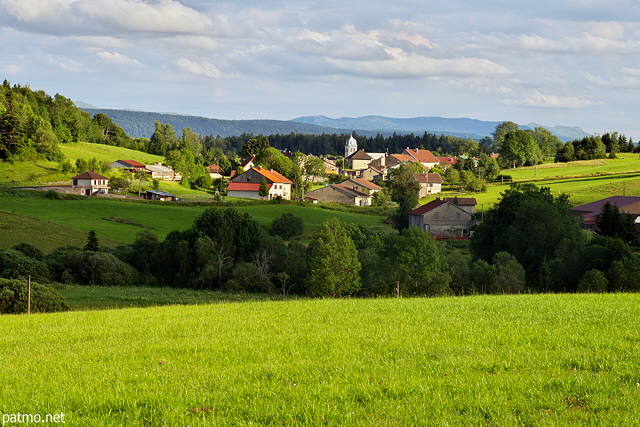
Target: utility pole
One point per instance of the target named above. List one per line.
(29, 295)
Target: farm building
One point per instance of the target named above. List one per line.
(159, 195)
(165, 173)
(247, 184)
(361, 185)
(442, 218)
(90, 184)
(129, 165)
(591, 211)
(339, 193)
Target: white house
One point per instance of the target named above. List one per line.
(247, 184)
(90, 184)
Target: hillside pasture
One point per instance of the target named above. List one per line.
(117, 221)
(483, 360)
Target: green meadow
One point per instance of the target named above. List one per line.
(48, 224)
(482, 360)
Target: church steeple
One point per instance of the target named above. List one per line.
(350, 147)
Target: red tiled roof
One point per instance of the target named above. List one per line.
(245, 186)
(363, 182)
(133, 163)
(423, 156)
(215, 169)
(427, 207)
(448, 160)
(273, 176)
(350, 191)
(246, 161)
(432, 178)
(89, 175)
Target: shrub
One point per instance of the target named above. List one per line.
(29, 250)
(52, 194)
(286, 226)
(13, 298)
(15, 265)
(593, 281)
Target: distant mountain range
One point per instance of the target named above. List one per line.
(138, 124)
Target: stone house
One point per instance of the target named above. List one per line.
(442, 219)
(430, 183)
(338, 193)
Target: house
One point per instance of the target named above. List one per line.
(248, 163)
(128, 165)
(425, 157)
(447, 162)
(591, 211)
(338, 193)
(374, 173)
(330, 166)
(90, 184)
(165, 173)
(393, 160)
(358, 160)
(159, 195)
(466, 203)
(247, 184)
(430, 183)
(215, 171)
(443, 219)
(361, 185)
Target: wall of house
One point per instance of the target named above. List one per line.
(331, 195)
(282, 190)
(359, 164)
(446, 220)
(429, 188)
(244, 194)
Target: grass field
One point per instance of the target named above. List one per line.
(52, 223)
(486, 360)
(111, 297)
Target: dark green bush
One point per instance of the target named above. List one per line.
(14, 264)
(13, 298)
(286, 226)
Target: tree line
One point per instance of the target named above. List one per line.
(529, 242)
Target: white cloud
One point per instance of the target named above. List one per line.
(540, 100)
(91, 17)
(118, 59)
(584, 44)
(199, 68)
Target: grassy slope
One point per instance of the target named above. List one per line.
(486, 360)
(77, 217)
(581, 180)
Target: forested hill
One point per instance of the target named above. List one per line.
(139, 124)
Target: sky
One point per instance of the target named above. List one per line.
(553, 62)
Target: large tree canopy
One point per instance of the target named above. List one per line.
(529, 223)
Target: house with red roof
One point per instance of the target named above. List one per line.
(247, 184)
(90, 184)
(215, 171)
(361, 185)
(442, 219)
(425, 157)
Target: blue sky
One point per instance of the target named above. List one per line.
(569, 62)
